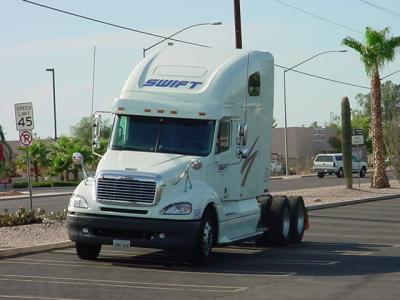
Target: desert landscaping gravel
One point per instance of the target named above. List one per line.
(52, 232)
(33, 235)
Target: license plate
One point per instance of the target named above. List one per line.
(121, 243)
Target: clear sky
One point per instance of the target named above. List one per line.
(33, 39)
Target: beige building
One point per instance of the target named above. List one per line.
(303, 143)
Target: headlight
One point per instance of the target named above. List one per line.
(77, 201)
(182, 208)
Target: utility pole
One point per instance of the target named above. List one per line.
(54, 103)
(238, 24)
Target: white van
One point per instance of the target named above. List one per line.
(333, 164)
(185, 165)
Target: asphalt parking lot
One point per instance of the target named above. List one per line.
(350, 252)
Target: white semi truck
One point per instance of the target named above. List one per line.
(187, 165)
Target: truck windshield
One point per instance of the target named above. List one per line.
(166, 135)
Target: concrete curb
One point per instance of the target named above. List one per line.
(34, 249)
(3, 198)
(351, 202)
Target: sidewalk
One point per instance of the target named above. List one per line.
(44, 237)
(325, 197)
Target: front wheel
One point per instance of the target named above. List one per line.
(205, 239)
(340, 173)
(87, 251)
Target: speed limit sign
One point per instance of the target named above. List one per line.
(24, 116)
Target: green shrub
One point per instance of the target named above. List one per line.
(20, 185)
(25, 216)
(21, 217)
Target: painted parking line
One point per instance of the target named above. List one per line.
(290, 262)
(353, 236)
(152, 268)
(123, 284)
(356, 228)
(34, 297)
(325, 252)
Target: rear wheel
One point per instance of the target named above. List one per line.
(340, 173)
(297, 222)
(87, 251)
(279, 221)
(321, 174)
(363, 171)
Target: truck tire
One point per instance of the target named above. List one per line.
(297, 221)
(340, 173)
(87, 251)
(279, 220)
(206, 238)
(363, 171)
(321, 174)
(265, 207)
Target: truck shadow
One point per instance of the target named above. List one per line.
(308, 258)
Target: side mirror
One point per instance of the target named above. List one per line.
(195, 164)
(77, 158)
(241, 136)
(242, 152)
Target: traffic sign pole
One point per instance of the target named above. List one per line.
(24, 124)
(29, 178)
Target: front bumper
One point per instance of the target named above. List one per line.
(324, 170)
(141, 232)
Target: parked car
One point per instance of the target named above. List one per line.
(333, 164)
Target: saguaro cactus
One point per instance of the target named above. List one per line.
(346, 142)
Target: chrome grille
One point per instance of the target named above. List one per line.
(126, 189)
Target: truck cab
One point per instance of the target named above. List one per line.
(185, 166)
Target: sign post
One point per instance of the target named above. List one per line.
(24, 124)
(357, 139)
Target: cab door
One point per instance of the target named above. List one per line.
(227, 164)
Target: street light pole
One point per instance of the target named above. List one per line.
(172, 35)
(238, 24)
(54, 102)
(284, 101)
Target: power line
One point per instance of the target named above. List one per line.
(317, 17)
(111, 24)
(195, 44)
(324, 78)
(384, 9)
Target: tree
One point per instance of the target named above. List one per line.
(5, 154)
(336, 143)
(61, 153)
(390, 95)
(82, 132)
(346, 142)
(38, 156)
(392, 142)
(379, 48)
(315, 125)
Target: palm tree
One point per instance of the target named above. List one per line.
(378, 49)
(61, 154)
(6, 151)
(38, 156)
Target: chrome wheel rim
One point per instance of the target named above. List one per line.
(207, 238)
(286, 222)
